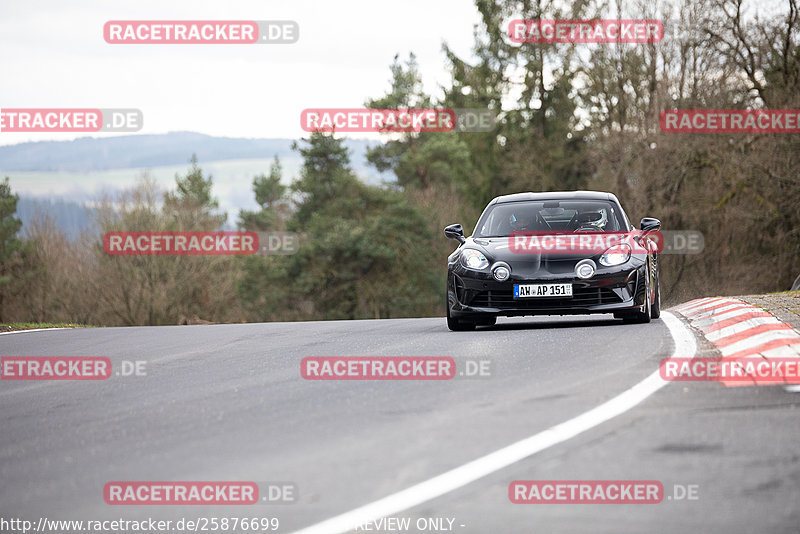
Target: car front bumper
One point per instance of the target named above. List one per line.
(477, 294)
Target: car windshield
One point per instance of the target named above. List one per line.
(550, 216)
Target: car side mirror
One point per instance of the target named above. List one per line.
(649, 224)
(455, 231)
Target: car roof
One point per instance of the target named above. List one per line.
(555, 195)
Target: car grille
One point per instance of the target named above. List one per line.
(581, 297)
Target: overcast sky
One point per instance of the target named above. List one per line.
(52, 55)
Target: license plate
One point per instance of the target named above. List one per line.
(542, 290)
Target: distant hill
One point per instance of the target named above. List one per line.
(72, 218)
(146, 151)
(61, 177)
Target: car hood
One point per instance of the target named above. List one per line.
(499, 250)
(530, 263)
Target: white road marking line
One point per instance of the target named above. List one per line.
(34, 330)
(741, 326)
(685, 346)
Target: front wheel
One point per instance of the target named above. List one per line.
(642, 316)
(458, 325)
(655, 312)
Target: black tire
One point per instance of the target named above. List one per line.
(458, 325)
(644, 317)
(652, 309)
(655, 311)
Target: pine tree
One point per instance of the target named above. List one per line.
(11, 247)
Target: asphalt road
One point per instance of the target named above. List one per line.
(227, 402)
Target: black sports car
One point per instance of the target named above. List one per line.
(553, 254)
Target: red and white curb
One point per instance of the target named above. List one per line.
(739, 329)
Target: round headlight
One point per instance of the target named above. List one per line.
(584, 270)
(501, 273)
